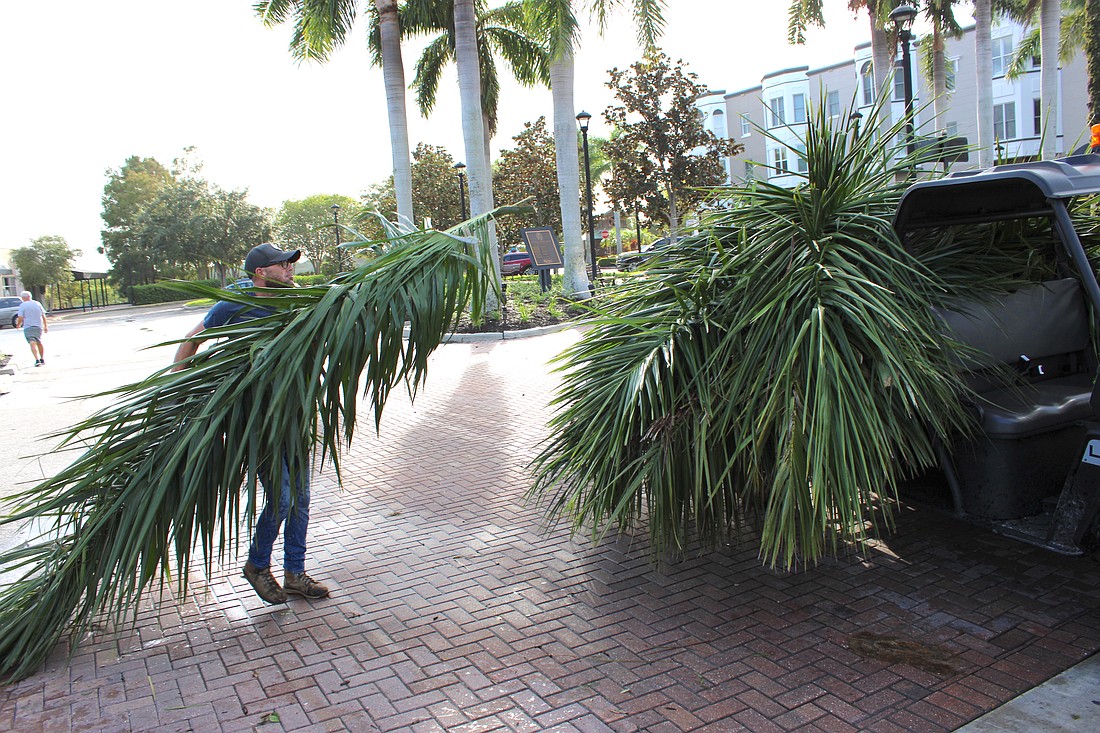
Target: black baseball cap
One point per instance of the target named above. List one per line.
(263, 255)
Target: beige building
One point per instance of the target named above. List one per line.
(785, 98)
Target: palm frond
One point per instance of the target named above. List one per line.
(783, 366)
(161, 470)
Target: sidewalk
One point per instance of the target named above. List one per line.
(455, 609)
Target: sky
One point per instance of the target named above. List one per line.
(88, 84)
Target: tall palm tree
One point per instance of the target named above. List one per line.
(162, 469)
(501, 31)
(319, 28)
(1092, 54)
(1049, 39)
(557, 20)
(941, 16)
(806, 13)
(983, 74)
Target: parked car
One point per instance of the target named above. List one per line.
(629, 260)
(516, 263)
(8, 308)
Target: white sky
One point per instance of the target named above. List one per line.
(87, 84)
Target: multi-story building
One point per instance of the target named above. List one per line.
(784, 99)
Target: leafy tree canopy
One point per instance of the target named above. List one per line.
(661, 154)
(309, 225)
(528, 171)
(46, 261)
(174, 223)
(435, 192)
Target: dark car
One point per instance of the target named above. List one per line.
(629, 260)
(516, 263)
(8, 308)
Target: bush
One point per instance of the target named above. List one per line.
(308, 280)
(150, 294)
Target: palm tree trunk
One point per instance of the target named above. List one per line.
(983, 63)
(479, 176)
(1050, 20)
(882, 61)
(939, 76)
(393, 75)
(575, 278)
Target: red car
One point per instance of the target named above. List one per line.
(516, 263)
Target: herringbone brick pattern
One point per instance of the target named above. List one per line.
(455, 609)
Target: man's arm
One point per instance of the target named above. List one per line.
(188, 348)
(45, 326)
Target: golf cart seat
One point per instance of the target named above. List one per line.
(1032, 427)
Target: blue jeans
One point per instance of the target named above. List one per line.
(267, 526)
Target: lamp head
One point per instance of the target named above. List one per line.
(583, 119)
(902, 17)
(460, 167)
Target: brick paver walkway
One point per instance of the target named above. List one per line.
(454, 609)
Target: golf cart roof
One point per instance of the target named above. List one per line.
(1014, 191)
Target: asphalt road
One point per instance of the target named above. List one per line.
(86, 353)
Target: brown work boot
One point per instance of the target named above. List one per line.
(303, 585)
(264, 583)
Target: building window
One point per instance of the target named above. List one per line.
(750, 169)
(867, 77)
(952, 129)
(746, 126)
(776, 117)
(1037, 115)
(899, 82)
(780, 166)
(1004, 121)
(1002, 55)
(798, 103)
(800, 163)
(950, 70)
(832, 104)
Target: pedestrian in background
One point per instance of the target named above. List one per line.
(31, 317)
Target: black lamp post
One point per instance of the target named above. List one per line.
(854, 120)
(903, 17)
(583, 119)
(460, 168)
(336, 225)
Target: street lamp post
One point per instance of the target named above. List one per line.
(583, 119)
(903, 17)
(336, 225)
(854, 120)
(460, 168)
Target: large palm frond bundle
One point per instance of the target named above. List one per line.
(783, 366)
(161, 471)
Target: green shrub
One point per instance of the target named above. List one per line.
(308, 280)
(149, 294)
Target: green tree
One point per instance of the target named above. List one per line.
(528, 171)
(195, 228)
(46, 261)
(655, 152)
(435, 192)
(309, 225)
(130, 190)
(1092, 56)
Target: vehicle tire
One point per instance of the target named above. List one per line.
(14, 321)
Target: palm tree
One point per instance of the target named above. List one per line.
(1092, 52)
(804, 13)
(1053, 39)
(319, 28)
(941, 16)
(557, 20)
(983, 74)
(500, 31)
(781, 369)
(162, 471)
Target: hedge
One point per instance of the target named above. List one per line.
(149, 294)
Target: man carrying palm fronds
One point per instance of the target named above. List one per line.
(269, 267)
